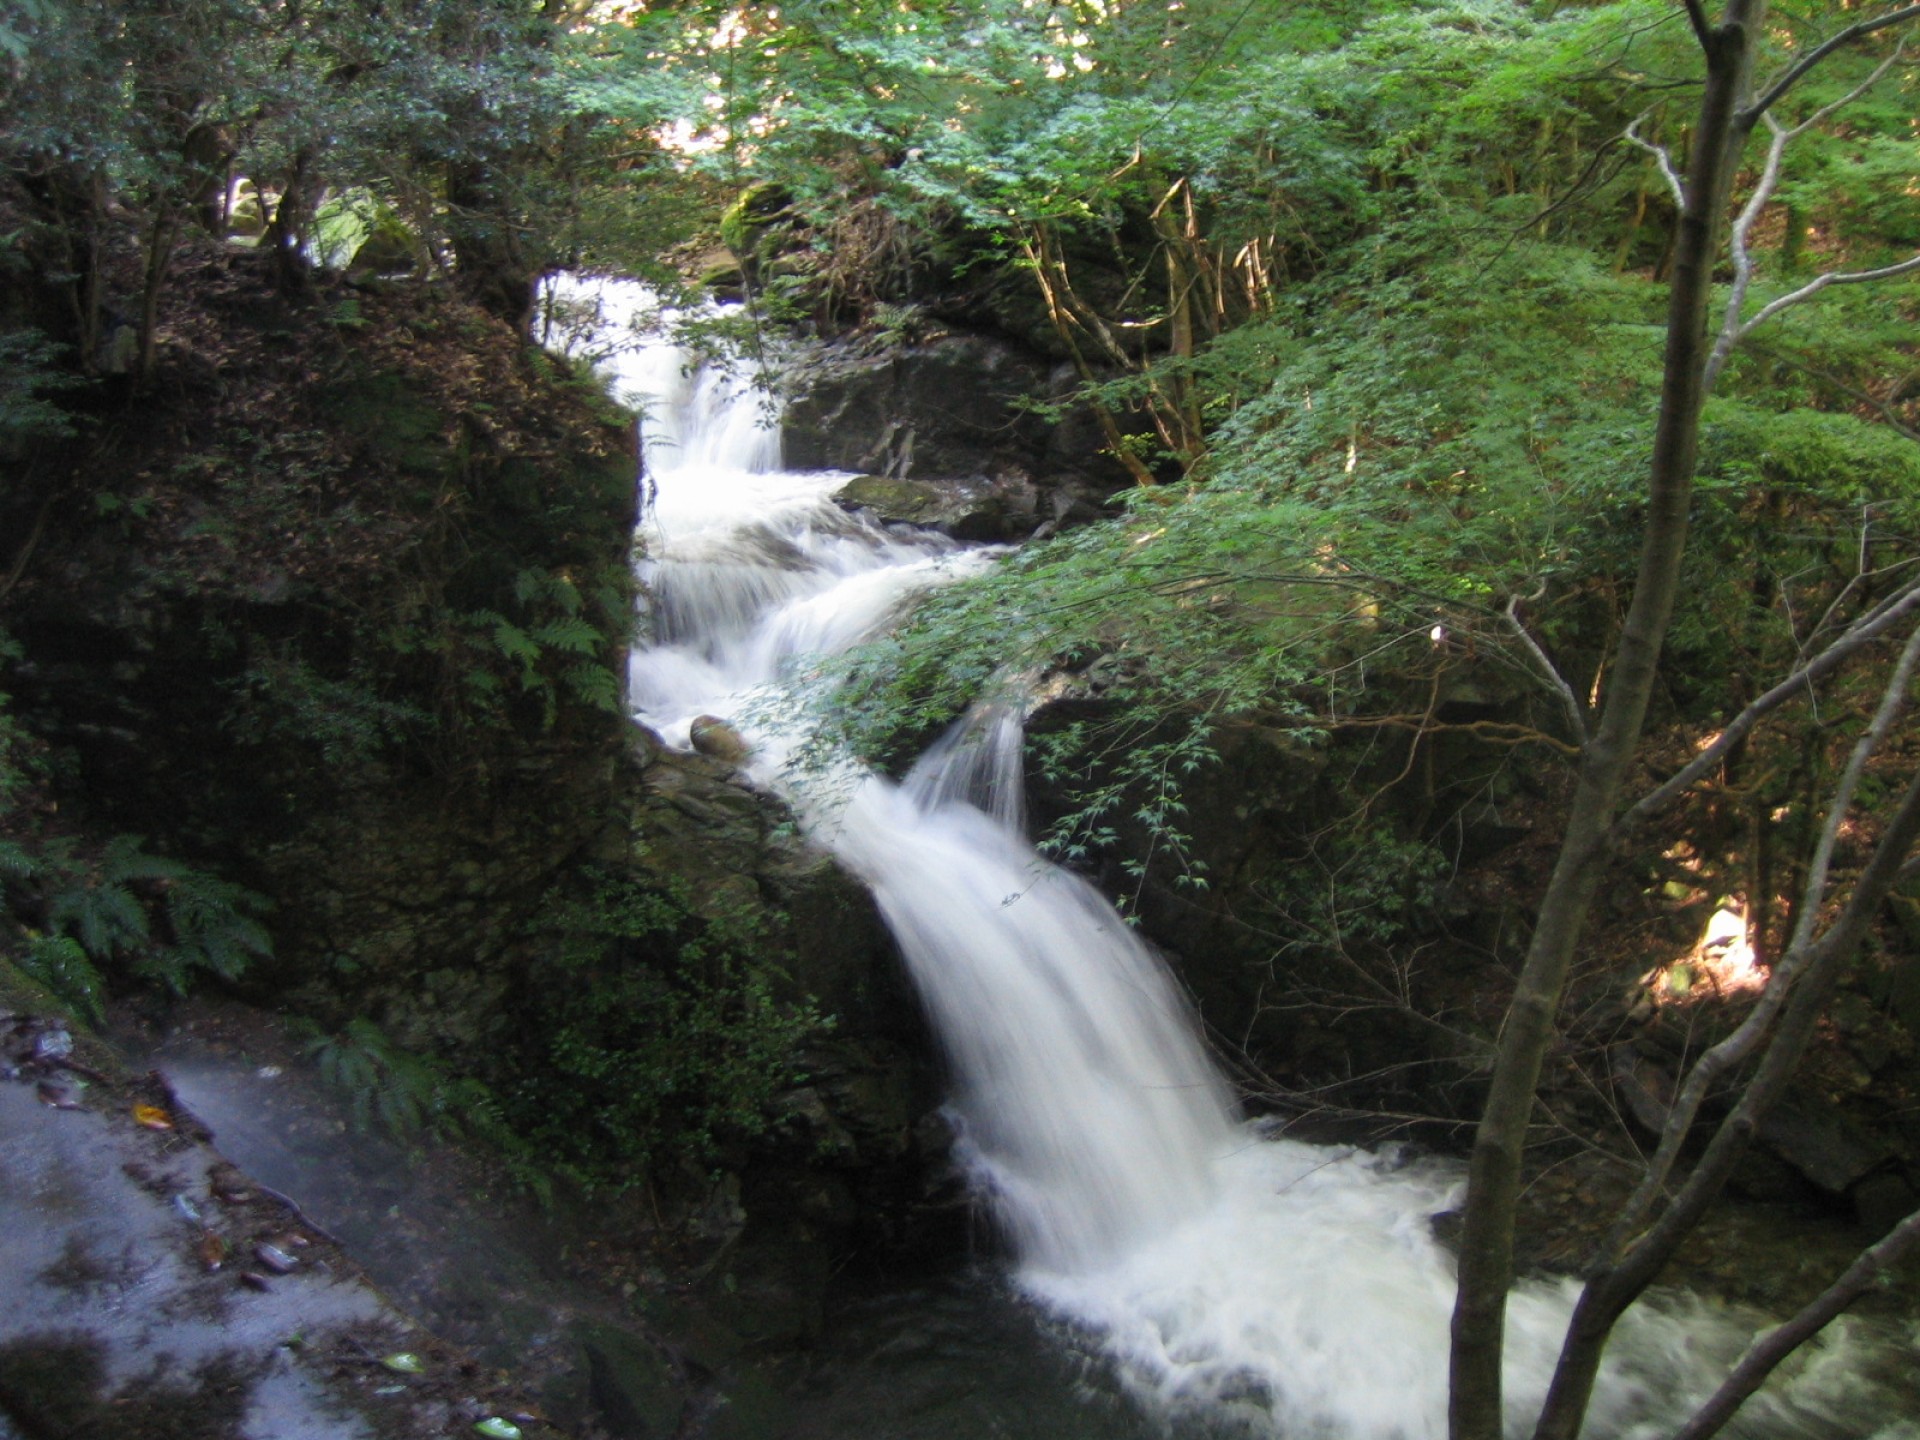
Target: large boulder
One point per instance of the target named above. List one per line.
(971, 509)
(970, 410)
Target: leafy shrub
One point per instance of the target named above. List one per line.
(346, 723)
(404, 1093)
(651, 1038)
(29, 376)
(125, 912)
(62, 964)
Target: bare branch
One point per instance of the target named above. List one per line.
(1732, 331)
(1820, 282)
(1797, 71)
(1660, 153)
(1777, 1344)
(1702, 27)
(1879, 73)
(1892, 700)
(1862, 632)
(1576, 717)
(1742, 256)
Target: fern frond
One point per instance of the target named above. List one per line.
(61, 964)
(103, 918)
(573, 635)
(124, 860)
(16, 862)
(597, 686)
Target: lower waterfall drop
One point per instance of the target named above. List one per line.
(1230, 1280)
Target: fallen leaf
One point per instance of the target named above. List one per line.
(213, 1250)
(404, 1362)
(497, 1429)
(152, 1117)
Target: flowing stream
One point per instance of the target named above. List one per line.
(1225, 1281)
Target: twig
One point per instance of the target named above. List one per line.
(1821, 282)
(1863, 631)
(293, 1205)
(1794, 73)
(1576, 718)
(1675, 186)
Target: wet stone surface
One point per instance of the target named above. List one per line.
(157, 1293)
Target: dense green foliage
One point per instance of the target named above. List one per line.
(652, 1040)
(124, 912)
(1428, 401)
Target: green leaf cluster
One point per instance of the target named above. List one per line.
(649, 1039)
(82, 919)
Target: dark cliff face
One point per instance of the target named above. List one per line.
(338, 608)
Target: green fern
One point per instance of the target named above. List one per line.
(16, 863)
(124, 860)
(104, 917)
(598, 686)
(572, 635)
(404, 1093)
(154, 917)
(212, 927)
(60, 963)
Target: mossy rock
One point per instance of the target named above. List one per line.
(391, 247)
(391, 419)
(757, 210)
(908, 501)
(964, 509)
(726, 282)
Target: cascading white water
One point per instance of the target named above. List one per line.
(1295, 1289)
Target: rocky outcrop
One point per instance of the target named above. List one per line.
(327, 632)
(964, 410)
(971, 509)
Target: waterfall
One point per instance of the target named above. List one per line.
(1263, 1284)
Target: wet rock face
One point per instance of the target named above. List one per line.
(953, 410)
(156, 1293)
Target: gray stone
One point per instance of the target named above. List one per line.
(1821, 1142)
(633, 1388)
(971, 509)
(957, 412)
(713, 736)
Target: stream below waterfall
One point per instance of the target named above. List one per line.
(1184, 1269)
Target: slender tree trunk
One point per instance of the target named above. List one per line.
(1055, 290)
(1475, 1409)
(160, 244)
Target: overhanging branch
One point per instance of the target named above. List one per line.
(1794, 73)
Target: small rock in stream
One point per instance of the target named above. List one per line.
(713, 736)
